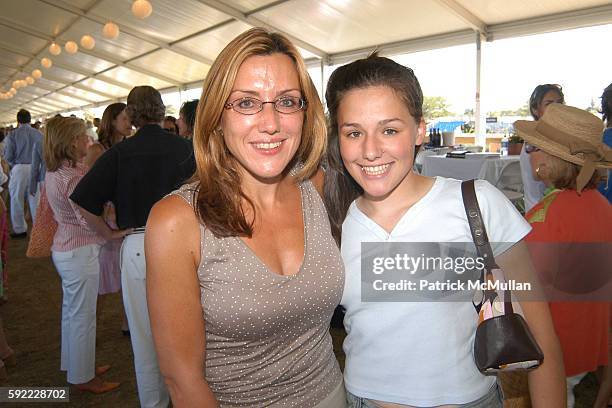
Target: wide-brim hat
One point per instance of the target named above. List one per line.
(571, 134)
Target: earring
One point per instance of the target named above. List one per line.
(537, 170)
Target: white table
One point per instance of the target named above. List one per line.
(485, 166)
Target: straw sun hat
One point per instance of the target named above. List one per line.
(571, 134)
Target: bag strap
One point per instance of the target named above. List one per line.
(481, 239)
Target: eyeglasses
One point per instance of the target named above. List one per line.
(531, 148)
(251, 106)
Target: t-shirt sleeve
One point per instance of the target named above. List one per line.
(98, 185)
(505, 225)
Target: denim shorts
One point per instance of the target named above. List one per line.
(492, 399)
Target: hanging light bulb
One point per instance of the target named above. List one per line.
(13, 91)
(55, 49)
(88, 42)
(29, 80)
(71, 47)
(46, 62)
(110, 30)
(15, 84)
(142, 9)
(36, 74)
(22, 83)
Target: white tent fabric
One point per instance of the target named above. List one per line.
(174, 47)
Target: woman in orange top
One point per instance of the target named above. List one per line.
(572, 220)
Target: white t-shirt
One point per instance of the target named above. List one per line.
(419, 353)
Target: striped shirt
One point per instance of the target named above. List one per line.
(72, 229)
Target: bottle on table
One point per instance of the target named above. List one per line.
(503, 151)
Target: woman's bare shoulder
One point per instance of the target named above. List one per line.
(172, 212)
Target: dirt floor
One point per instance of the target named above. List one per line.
(32, 323)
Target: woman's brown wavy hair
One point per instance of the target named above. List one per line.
(106, 129)
(220, 199)
(340, 189)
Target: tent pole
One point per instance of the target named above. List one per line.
(480, 127)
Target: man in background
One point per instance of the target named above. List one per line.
(134, 175)
(18, 148)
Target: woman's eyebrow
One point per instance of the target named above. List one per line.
(251, 92)
(385, 121)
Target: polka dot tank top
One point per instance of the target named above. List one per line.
(267, 335)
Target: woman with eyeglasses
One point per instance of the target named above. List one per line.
(542, 96)
(242, 271)
(571, 233)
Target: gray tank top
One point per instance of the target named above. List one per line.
(267, 335)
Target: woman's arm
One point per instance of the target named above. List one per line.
(546, 383)
(172, 252)
(97, 223)
(605, 387)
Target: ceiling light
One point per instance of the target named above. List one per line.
(110, 30)
(71, 47)
(88, 42)
(142, 9)
(55, 49)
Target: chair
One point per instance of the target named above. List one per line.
(418, 161)
(510, 183)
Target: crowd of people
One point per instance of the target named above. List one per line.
(236, 230)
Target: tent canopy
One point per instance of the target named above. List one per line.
(174, 47)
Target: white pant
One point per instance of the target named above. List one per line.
(34, 200)
(80, 273)
(18, 189)
(152, 391)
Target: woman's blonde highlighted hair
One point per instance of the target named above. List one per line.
(562, 174)
(220, 196)
(58, 147)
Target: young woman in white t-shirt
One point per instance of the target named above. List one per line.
(414, 354)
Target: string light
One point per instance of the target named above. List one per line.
(110, 30)
(142, 9)
(55, 49)
(88, 42)
(71, 47)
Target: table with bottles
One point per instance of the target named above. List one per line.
(486, 166)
